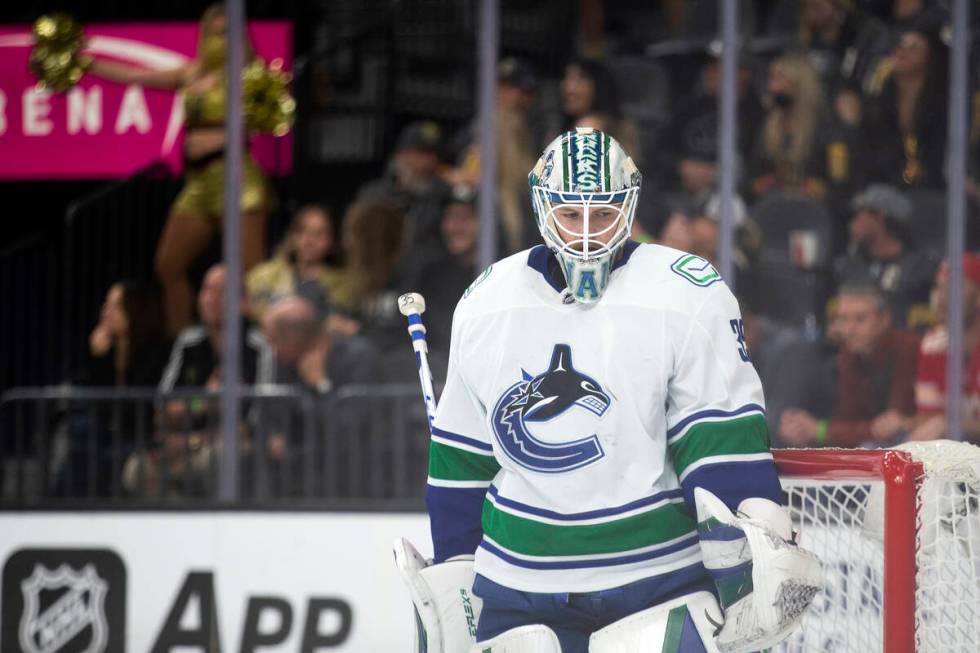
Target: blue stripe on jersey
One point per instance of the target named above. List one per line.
(454, 517)
(590, 514)
(723, 533)
(538, 259)
(733, 481)
(462, 439)
(628, 250)
(729, 572)
(418, 335)
(704, 414)
(589, 564)
(414, 319)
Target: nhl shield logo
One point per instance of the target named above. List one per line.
(63, 608)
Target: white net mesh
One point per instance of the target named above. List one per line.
(846, 615)
(842, 522)
(948, 547)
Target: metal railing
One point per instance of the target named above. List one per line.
(361, 447)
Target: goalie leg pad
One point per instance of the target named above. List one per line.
(681, 624)
(765, 582)
(446, 610)
(535, 638)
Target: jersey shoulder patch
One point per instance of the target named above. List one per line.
(695, 270)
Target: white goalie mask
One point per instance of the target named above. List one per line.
(584, 191)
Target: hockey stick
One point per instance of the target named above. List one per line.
(412, 305)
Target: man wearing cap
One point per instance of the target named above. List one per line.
(930, 383)
(880, 252)
(704, 234)
(688, 151)
(443, 281)
(412, 182)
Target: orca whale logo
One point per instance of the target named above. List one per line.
(544, 397)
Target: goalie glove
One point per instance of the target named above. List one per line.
(446, 610)
(765, 581)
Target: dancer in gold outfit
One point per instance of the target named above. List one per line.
(197, 213)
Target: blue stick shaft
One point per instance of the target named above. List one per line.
(416, 330)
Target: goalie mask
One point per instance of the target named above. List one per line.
(584, 190)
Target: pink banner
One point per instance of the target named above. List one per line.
(101, 129)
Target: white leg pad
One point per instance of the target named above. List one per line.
(446, 610)
(656, 629)
(526, 639)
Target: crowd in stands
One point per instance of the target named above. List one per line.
(841, 143)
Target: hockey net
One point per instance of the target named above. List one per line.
(898, 532)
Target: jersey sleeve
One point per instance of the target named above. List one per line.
(716, 425)
(461, 463)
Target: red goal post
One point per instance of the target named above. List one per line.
(899, 535)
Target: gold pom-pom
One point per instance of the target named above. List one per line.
(55, 56)
(269, 108)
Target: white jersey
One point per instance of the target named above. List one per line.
(569, 437)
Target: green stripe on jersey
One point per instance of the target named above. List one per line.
(452, 464)
(527, 536)
(675, 628)
(734, 588)
(743, 435)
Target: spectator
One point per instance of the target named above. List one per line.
(875, 378)
(517, 150)
(666, 222)
(779, 354)
(308, 355)
(374, 275)
(127, 348)
(897, 16)
(183, 465)
(879, 251)
(904, 127)
(703, 232)
(195, 360)
(590, 98)
(791, 152)
(299, 265)
(828, 35)
(315, 361)
(930, 384)
(443, 282)
(195, 364)
(412, 183)
(689, 143)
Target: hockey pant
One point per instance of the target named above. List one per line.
(574, 617)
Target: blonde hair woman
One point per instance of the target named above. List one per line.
(790, 152)
(197, 213)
